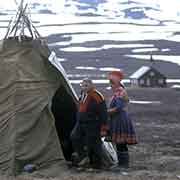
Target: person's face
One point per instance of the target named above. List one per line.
(114, 84)
(85, 86)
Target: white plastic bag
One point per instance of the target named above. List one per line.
(110, 149)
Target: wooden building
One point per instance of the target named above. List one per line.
(148, 76)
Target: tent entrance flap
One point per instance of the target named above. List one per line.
(64, 110)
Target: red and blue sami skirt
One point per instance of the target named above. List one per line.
(121, 129)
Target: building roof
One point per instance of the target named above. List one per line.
(141, 71)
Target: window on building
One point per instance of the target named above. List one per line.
(160, 81)
(148, 82)
(135, 81)
(152, 73)
(141, 81)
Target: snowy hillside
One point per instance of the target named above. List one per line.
(97, 30)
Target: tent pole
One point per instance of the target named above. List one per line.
(10, 26)
(20, 22)
(19, 19)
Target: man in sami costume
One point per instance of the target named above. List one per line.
(92, 123)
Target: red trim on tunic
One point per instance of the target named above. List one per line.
(93, 94)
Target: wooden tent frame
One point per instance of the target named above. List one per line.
(20, 22)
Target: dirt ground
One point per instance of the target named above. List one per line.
(157, 155)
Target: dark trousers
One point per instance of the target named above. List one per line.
(121, 147)
(78, 140)
(88, 135)
(123, 155)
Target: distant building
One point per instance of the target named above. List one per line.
(148, 76)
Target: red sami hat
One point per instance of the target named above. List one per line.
(116, 75)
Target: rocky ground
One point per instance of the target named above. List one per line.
(156, 156)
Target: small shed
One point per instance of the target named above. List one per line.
(148, 76)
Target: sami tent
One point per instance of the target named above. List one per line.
(30, 88)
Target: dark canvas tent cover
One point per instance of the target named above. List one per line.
(27, 85)
(28, 82)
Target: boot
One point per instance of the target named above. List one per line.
(123, 159)
(78, 160)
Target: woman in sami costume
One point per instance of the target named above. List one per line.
(121, 129)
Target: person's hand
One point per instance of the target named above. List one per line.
(103, 134)
(104, 129)
(111, 110)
